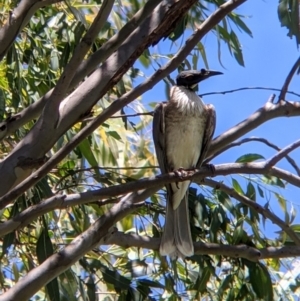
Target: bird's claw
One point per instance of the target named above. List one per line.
(180, 172)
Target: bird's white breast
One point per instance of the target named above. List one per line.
(185, 122)
(185, 128)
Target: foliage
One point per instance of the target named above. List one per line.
(120, 152)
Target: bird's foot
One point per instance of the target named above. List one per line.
(180, 172)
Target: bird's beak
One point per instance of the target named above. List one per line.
(191, 78)
(197, 76)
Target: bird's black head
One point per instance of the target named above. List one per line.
(191, 78)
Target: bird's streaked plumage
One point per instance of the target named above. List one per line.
(182, 131)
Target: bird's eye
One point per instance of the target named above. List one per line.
(203, 71)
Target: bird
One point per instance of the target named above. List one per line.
(183, 129)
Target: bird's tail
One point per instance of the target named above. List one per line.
(176, 239)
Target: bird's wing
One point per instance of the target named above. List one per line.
(159, 136)
(209, 132)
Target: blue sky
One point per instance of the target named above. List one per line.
(268, 58)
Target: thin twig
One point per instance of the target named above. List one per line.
(288, 80)
(258, 208)
(122, 116)
(247, 88)
(282, 153)
(257, 139)
(267, 112)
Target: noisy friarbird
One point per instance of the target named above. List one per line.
(182, 131)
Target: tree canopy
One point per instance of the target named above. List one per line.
(82, 198)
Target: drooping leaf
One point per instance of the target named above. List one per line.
(179, 30)
(114, 277)
(260, 280)
(288, 14)
(237, 187)
(251, 193)
(44, 249)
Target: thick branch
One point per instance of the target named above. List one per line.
(62, 86)
(239, 251)
(62, 201)
(159, 181)
(38, 141)
(85, 68)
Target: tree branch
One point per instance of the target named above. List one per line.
(162, 20)
(247, 88)
(85, 68)
(288, 80)
(258, 208)
(54, 265)
(282, 153)
(115, 106)
(62, 86)
(16, 21)
(265, 113)
(63, 201)
(252, 139)
(159, 181)
(238, 251)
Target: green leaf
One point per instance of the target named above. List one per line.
(179, 30)
(143, 290)
(201, 283)
(272, 180)
(85, 149)
(251, 193)
(15, 271)
(288, 14)
(144, 59)
(249, 158)
(114, 134)
(261, 282)
(201, 49)
(44, 249)
(237, 187)
(295, 228)
(151, 283)
(225, 284)
(238, 233)
(260, 191)
(282, 202)
(237, 19)
(114, 277)
(91, 289)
